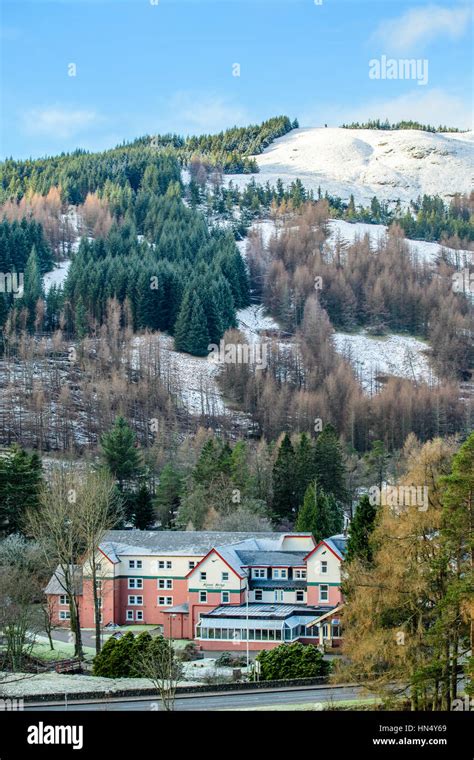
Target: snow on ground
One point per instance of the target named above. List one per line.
(22, 685)
(425, 251)
(57, 276)
(373, 357)
(196, 378)
(252, 321)
(398, 164)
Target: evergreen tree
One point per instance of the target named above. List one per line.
(80, 320)
(121, 455)
(33, 285)
(360, 531)
(320, 514)
(377, 460)
(284, 502)
(20, 484)
(143, 513)
(329, 465)
(304, 467)
(168, 496)
(191, 333)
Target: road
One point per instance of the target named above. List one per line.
(222, 701)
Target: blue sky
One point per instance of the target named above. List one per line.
(146, 69)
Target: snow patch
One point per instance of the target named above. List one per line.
(392, 165)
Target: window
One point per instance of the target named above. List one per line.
(258, 596)
(169, 564)
(259, 572)
(165, 583)
(300, 574)
(323, 593)
(64, 615)
(139, 615)
(135, 600)
(165, 601)
(280, 573)
(139, 564)
(135, 583)
(300, 596)
(129, 614)
(225, 576)
(161, 564)
(336, 631)
(63, 599)
(191, 565)
(99, 602)
(324, 566)
(225, 597)
(131, 563)
(203, 597)
(203, 576)
(98, 585)
(278, 595)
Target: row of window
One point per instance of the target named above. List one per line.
(167, 601)
(166, 583)
(163, 564)
(262, 634)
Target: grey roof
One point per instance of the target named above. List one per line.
(264, 611)
(272, 559)
(56, 582)
(338, 544)
(178, 608)
(163, 542)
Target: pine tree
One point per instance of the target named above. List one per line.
(20, 485)
(143, 514)
(360, 531)
(191, 333)
(329, 465)
(33, 286)
(120, 452)
(80, 320)
(168, 495)
(284, 502)
(304, 467)
(320, 514)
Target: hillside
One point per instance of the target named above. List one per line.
(391, 165)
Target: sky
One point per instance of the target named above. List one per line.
(92, 73)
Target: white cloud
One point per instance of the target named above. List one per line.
(419, 26)
(58, 122)
(434, 107)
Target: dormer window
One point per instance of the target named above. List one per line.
(259, 572)
(299, 574)
(280, 572)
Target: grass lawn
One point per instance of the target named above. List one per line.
(62, 651)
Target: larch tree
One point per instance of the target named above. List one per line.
(400, 621)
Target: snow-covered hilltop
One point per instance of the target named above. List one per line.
(366, 162)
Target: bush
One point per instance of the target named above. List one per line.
(190, 653)
(289, 661)
(123, 658)
(228, 660)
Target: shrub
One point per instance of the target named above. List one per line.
(289, 661)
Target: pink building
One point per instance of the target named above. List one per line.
(224, 590)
